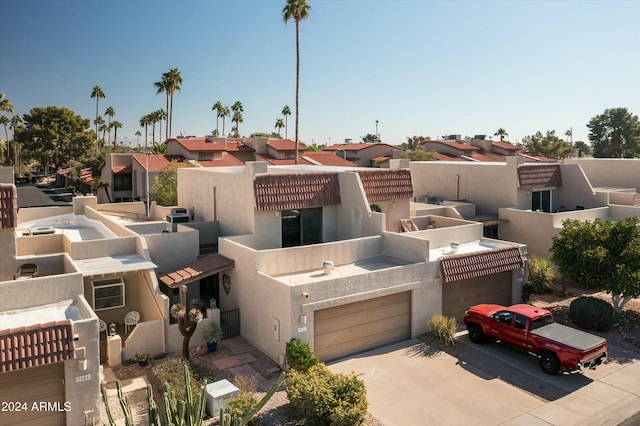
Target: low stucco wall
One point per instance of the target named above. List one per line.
(39, 291)
(144, 338)
(101, 248)
(174, 338)
(599, 171)
(172, 250)
(35, 213)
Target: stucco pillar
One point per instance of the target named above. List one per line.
(114, 350)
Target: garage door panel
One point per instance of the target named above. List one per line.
(36, 384)
(359, 326)
(458, 296)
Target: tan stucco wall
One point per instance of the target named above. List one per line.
(173, 250)
(575, 190)
(34, 213)
(613, 172)
(489, 186)
(39, 291)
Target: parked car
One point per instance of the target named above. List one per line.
(533, 330)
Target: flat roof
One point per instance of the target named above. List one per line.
(341, 271)
(42, 314)
(75, 227)
(113, 264)
(466, 247)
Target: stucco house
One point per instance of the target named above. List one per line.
(324, 254)
(363, 154)
(527, 203)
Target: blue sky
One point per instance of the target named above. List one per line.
(418, 67)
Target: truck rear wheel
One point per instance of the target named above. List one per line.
(475, 333)
(549, 363)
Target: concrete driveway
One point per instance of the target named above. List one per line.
(411, 383)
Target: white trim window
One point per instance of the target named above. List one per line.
(108, 294)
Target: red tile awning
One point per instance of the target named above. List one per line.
(201, 268)
(36, 345)
(385, 185)
(296, 191)
(473, 265)
(539, 176)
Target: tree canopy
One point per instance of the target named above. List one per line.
(548, 145)
(371, 138)
(602, 255)
(615, 134)
(419, 154)
(55, 135)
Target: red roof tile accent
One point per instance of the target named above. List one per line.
(157, 162)
(327, 159)
(453, 144)
(36, 345)
(296, 191)
(122, 170)
(285, 145)
(198, 144)
(535, 176)
(225, 161)
(506, 146)
(473, 265)
(443, 156)
(481, 158)
(382, 185)
(235, 145)
(201, 268)
(8, 206)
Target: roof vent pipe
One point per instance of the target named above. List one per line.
(327, 265)
(455, 247)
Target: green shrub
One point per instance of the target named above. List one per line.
(540, 278)
(444, 328)
(326, 398)
(171, 372)
(300, 356)
(591, 313)
(242, 404)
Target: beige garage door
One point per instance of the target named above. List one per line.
(35, 384)
(457, 296)
(359, 326)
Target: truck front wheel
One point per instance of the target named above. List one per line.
(549, 363)
(475, 333)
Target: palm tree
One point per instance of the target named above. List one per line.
(217, 107)
(502, 133)
(116, 125)
(237, 109)
(225, 113)
(569, 135)
(4, 120)
(145, 120)
(138, 134)
(97, 93)
(109, 112)
(162, 87)
(286, 111)
(101, 124)
(5, 105)
(279, 125)
(160, 115)
(298, 10)
(173, 80)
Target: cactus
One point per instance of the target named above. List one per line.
(154, 418)
(107, 409)
(227, 420)
(124, 404)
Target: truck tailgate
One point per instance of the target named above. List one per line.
(569, 336)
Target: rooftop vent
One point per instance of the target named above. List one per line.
(39, 231)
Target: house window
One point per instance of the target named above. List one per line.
(301, 227)
(108, 294)
(541, 201)
(122, 182)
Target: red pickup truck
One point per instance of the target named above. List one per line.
(533, 330)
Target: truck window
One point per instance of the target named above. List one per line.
(541, 322)
(503, 317)
(520, 322)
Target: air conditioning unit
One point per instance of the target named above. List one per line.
(40, 231)
(173, 219)
(219, 394)
(178, 210)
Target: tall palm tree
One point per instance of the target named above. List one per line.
(138, 134)
(116, 125)
(109, 112)
(502, 133)
(101, 124)
(5, 105)
(279, 125)
(569, 135)
(286, 111)
(162, 86)
(217, 107)
(226, 112)
(144, 122)
(173, 82)
(97, 93)
(298, 10)
(237, 109)
(161, 115)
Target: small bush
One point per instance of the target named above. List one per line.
(591, 313)
(326, 398)
(444, 328)
(172, 373)
(300, 356)
(242, 404)
(540, 278)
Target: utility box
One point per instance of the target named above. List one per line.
(219, 394)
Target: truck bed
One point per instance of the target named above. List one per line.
(569, 336)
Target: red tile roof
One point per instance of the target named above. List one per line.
(476, 156)
(282, 161)
(157, 162)
(443, 156)
(198, 144)
(506, 146)
(36, 345)
(235, 145)
(201, 268)
(383, 185)
(8, 206)
(356, 146)
(473, 265)
(534, 176)
(121, 170)
(465, 147)
(327, 159)
(285, 145)
(225, 161)
(296, 191)
(531, 157)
